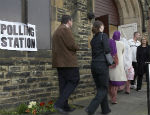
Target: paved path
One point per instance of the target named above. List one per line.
(133, 104)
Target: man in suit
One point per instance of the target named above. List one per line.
(65, 60)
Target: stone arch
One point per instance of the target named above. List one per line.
(129, 12)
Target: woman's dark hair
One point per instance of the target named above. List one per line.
(96, 25)
(65, 19)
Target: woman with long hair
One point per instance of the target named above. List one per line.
(99, 69)
(142, 56)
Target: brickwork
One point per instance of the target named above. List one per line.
(27, 76)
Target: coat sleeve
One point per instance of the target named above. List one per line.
(68, 39)
(106, 44)
(138, 54)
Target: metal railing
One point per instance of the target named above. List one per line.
(148, 87)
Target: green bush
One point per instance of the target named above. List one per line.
(22, 108)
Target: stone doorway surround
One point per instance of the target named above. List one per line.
(130, 12)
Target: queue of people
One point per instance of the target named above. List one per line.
(129, 62)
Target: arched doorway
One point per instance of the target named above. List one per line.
(107, 12)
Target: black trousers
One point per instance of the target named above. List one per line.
(100, 74)
(139, 82)
(135, 66)
(68, 80)
(140, 75)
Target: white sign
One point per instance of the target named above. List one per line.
(17, 36)
(128, 30)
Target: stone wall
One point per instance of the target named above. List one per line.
(27, 76)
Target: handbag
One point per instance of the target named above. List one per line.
(108, 56)
(109, 59)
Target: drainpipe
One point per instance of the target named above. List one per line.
(25, 11)
(147, 3)
(143, 19)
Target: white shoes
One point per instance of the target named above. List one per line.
(133, 86)
(139, 90)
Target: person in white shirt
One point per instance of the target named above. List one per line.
(127, 58)
(134, 43)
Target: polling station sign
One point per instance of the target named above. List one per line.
(17, 36)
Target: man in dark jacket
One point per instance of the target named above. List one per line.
(65, 60)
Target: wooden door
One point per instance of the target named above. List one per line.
(107, 7)
(105, 20)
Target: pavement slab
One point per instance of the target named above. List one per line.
(134, 103)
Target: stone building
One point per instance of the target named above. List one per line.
(26, 76)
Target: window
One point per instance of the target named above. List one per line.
(10, 10)
(38, 13)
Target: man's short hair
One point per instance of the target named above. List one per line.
(65, 19)
(135, 33)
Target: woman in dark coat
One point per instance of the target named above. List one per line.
(99, 69)
(142, 56)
